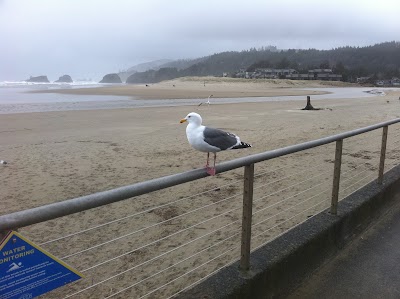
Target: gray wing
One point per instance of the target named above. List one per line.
(218, 138)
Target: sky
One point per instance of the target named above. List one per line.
(88, 39)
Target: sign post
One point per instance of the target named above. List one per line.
(27, 271)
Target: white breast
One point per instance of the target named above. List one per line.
(195, 137)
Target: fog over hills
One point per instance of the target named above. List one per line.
(381, 61)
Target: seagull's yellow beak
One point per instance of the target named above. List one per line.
(183, 120)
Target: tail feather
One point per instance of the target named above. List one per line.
(242, 145)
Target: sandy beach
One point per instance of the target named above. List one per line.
(55, 156)
(199, 87)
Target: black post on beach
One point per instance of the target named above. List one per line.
(309, 106)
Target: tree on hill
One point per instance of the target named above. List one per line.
(283, 63)
(324, 65)
(259, 65)
(350, 62)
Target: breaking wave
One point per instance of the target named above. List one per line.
(22, 84)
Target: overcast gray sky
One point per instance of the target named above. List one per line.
(87, 39)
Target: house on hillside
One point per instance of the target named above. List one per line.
(298, 77)
(316, 74)
(269, 73)
(395, 82)
(388, 83)
(240, 74)
(363, 79)
(323, 74)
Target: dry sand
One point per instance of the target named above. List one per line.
(55, 156)
(195, 87)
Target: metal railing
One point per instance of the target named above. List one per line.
(25, 218)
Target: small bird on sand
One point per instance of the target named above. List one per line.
(3, 162)
(208, 101)
(210, 140)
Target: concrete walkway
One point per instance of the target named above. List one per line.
(369, 267)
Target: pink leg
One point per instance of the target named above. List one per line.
(211, 170)
(208, 158)
(215, 158)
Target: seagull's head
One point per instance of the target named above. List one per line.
(192, 117)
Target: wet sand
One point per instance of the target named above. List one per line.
(202, 87)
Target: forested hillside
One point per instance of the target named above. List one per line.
(380, 61)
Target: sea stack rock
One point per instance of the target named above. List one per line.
(111, 78)
(42, 79)
(64, 79)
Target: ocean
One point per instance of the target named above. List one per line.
(16, 98)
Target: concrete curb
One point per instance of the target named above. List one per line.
(279, 266)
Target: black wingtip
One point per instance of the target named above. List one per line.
(242, 145)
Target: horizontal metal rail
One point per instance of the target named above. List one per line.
(79, 204)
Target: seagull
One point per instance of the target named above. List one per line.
(210, 140)
(3, 162)
(208, 101)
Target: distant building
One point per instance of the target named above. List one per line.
(299, 77)
(240, 74)
(323, 74)
(270, 73)
(395, 82)
(363, 79)
(316, 74)
(274, 73)
(387, 83)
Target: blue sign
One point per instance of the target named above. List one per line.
(27, 271)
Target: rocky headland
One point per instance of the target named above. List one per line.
(111, 78)
(40, 79)
(64, 79)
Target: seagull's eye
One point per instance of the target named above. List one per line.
(189, 116)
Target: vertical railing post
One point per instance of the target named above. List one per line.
(383, 154)
(336, 176)
(247, 216)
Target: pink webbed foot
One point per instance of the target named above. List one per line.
(211, 171)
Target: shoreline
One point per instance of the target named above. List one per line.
(185, 91)
(199, 87)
